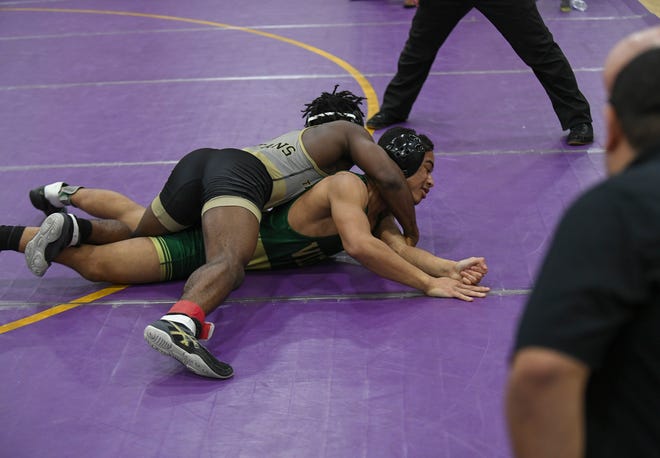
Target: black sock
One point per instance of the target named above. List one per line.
(85, 229)
(10, 236)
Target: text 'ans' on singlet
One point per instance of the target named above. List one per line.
(292, 169)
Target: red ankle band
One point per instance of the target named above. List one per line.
(189, 308)
(194, 311)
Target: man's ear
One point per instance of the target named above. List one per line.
(613, 128)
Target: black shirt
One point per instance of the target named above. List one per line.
(597, 299)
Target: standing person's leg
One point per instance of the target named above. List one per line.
(433, 22)
(521, 25)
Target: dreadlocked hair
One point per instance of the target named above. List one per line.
(343, 105)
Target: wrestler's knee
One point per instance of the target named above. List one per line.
(230, 268)
(239, 277)
(94, 271)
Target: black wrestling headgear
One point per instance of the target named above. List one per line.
(405, 148)
(337, 106)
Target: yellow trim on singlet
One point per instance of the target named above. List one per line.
(259, 259)
(164, 259)
(309, 158)
(165, 219)
(232, 201)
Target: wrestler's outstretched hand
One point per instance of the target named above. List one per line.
(449, 287)
(470, 271)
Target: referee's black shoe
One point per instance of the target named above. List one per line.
(580, 134)
(382, 120)
(175, 340)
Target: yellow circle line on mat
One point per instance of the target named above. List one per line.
(60, 308)
(652, 5)
(367, 89)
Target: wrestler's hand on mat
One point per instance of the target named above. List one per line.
(449, 287)
(470, 271)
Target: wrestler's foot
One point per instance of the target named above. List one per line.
(52, 198)
(175, 340)
(57, 232)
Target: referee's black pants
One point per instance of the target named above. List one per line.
(521, 25)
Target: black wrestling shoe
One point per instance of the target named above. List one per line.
(565, 6)
(55, 234)
(175, 340)
(39, 201)
(381, 120)
(580, 134)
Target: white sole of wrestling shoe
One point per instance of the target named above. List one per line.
(161, 341)
(35, 250)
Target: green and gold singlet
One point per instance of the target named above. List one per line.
(278, 246)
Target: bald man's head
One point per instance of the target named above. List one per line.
(632, 116)
(626, 50)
